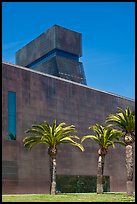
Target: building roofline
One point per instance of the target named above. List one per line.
(55, 25)
(72, 82)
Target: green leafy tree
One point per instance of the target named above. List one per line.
(52, 136)
(104, 137)
(12, 136)
(125, 120)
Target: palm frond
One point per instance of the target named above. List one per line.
(54, 127)
(59, 127)
(104, 135)
(68, 139)
(110, 143)
(40, 127)
(29, 142)
(34, 131)
(46, 126)
(120, 142)
(51, 134)
(92, 137)
(125, 119)
(74, 136)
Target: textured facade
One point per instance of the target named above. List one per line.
(49, 83)
(39, 97)
(57, 52)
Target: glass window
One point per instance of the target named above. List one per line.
(53, 53)
(11, 115)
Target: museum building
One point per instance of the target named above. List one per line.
(48, 82)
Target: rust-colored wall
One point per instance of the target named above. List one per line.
(44, 97)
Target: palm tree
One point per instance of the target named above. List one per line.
(125, 120)
(51, 136)
(105, 137)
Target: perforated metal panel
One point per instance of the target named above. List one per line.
(58, 43)
(9, 170)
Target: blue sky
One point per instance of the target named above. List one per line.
(108, 37)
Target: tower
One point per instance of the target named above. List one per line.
(56, 52)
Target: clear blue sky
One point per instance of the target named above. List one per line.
(108, 37)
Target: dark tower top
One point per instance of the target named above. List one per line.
(55, 52)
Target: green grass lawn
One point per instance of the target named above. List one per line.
(69, 197)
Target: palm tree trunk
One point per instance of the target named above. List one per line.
(53, 175)
(129, 168)
(100, 174)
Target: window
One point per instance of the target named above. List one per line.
(53, 53)
(11, 115)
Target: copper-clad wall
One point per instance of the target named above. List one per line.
(55, 37)
(56, 52)
(43, 97)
